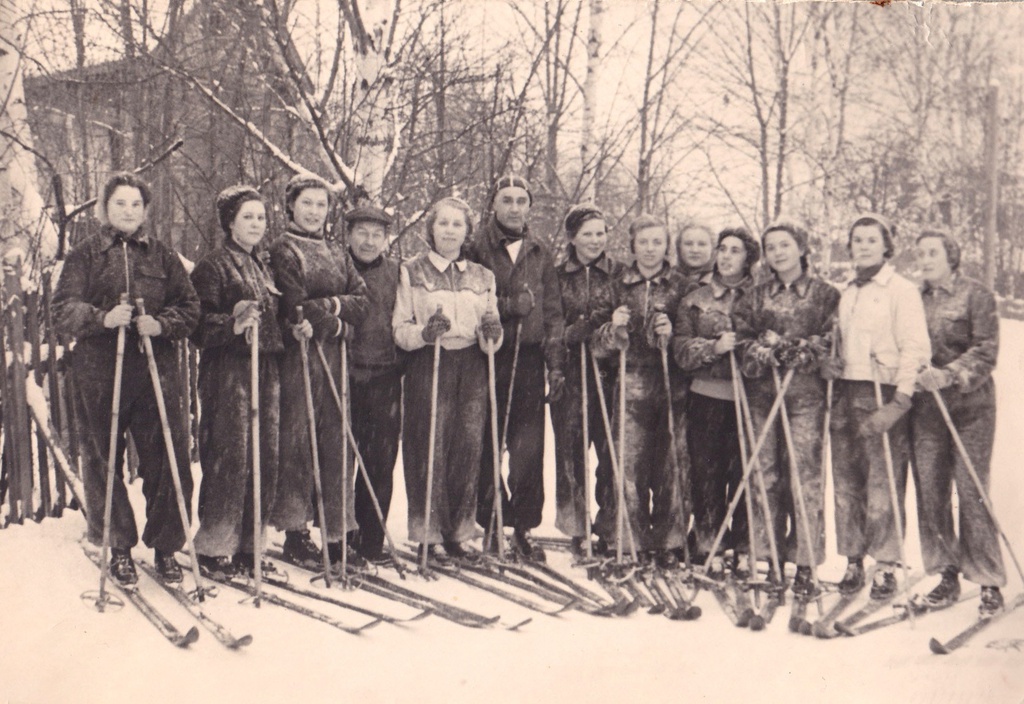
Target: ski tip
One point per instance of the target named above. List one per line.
(806, 628)
(241, 642)
(694, 612)
(938, 648)
(190, 637)
(517, 626)
(743, 619)
(757, 622)
(794, 625)
(824, 631)
(372, 624)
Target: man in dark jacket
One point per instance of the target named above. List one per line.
(375, 373)
(529, 302)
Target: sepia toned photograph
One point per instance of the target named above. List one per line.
(511, 351)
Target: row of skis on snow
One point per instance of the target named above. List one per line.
(609, 589)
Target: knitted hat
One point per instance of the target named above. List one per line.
(511, 181)
(297, 184)
(884, 225)
(229, 202)
(366, 213)
(578, 215)
(749, 244)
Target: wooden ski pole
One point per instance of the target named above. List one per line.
(620, 512)
(610, 435)
(773, 549)
(425, 545)
(345, 486)
(890, 472)
(496, 448)
(154, 375)
(748, 467)
(673, 448)
(741, 433)
(314, 452)
(115, 415)
(962, 449)
(347, 429)
(254, 439)
(826, 432)
(801, 504)
(585, 419)
(491, 524)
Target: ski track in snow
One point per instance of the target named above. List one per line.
(57, 649)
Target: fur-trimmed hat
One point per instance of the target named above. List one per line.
(299, 183)
(511, 181)
(229, 202)
(366, 213)
(579, 214)
(886, 227)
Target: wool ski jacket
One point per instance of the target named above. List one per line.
(963, 325)
(533, 269)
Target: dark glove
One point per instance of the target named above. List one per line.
(578, 332)
(518, 305)
(796, 355)
(932, 379)
(437, 325)
(831, 368)
(490, 327)
(556, 385)
(712, 324)
(885, 417)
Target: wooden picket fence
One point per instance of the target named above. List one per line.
(40, 452)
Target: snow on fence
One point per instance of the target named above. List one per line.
(40, 451)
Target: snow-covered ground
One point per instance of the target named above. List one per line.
(56, 649)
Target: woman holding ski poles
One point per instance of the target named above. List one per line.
(94, 300)
(883, 341)
(446, 316)
(318, 275)
(963, 325)
(640, 330)
(585, 279)
(695, 252)
(238, 299)
(704, 337)
(784, 323)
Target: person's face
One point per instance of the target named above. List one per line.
(933, 259)
(250, 224)
(591, 240)
(125, 209)
(511, 205)
(782, 252)
(867, 246)
(649, 247)
(732, 255)
(450, 230)
(695, 247)
(309, 211)
(367, 240)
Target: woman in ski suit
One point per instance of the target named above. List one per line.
(654, 480)
(695, 253)
(124, 259)
(237, 296)
(785, 323)
(585, 279)
(963, 325)
(443, 297)
(317, 274)
(883, 338)
(704, 337)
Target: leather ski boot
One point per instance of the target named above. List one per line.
(122, 567)
(216, 567)
(526, 549)
(803, 584)
(301, 551)
(167, 567)
(884, 584)
(853, 581)
(947, 591)
(991, 602)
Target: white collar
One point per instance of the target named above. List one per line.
(441, 264)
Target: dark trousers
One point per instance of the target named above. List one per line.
(225, 450)
(806, 414)
(523, 501)
(94, 372)
(715, 472)
(376, 425)
(865, 522)
(294, 504)
(461, 417)
(937, 465)
(654, 480)
(570, 468)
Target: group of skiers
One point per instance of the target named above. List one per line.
(673, 374)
